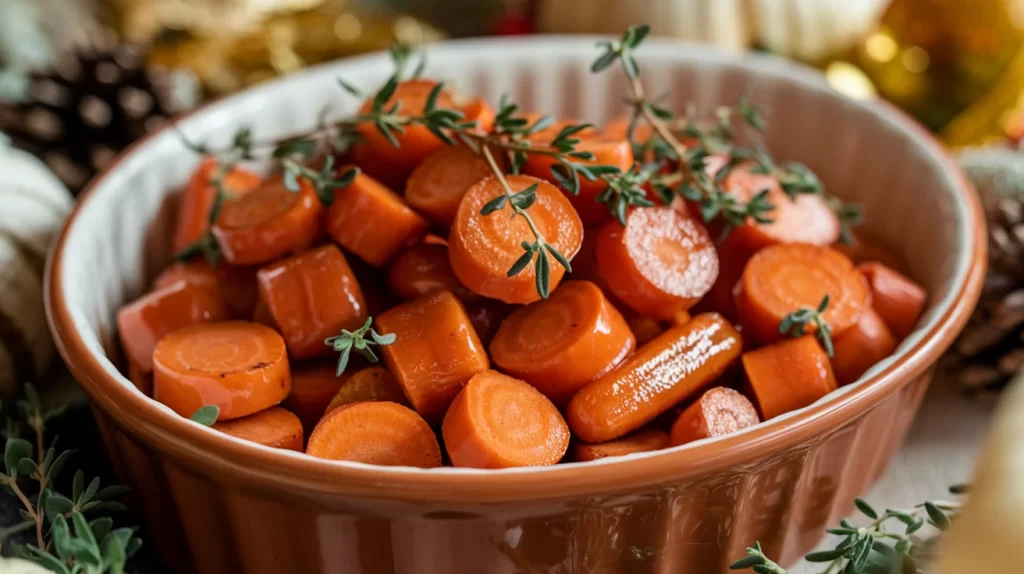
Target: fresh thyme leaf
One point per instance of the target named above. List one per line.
(543, 274)
(559, 257)
(936, 516)
(525, 198)
(431, 102)
(356, 340)
(493, 205)
(206, 415)
(301, 147)
(604, 61)
(350, 88)
(522, 262)
(543, 123)
(795, 324)
(862, 505)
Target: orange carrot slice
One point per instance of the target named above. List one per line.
(788, 375)
(274, 427)
(374, 383)
(479, 111)
(197, 271)
(381, 433)
(642, 441)
(861, 346)
(423, 269)
(313, 387)
(198, 197)
(867, 248)
(437, 185)
(718, 412)
(501, 422)
(722, 298)
(897, 299)
(618, 128)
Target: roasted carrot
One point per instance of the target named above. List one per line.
(719, 411)
(482, 248)
(437, 185)
(148, 319)
(861, 346)
(486, 318)
(423, 269)
(642, 441)
(312, 296)
(313, 387)
(788, 375)
(785, 278)
(197, 271)
(501, 422)
(374, 383)
(897, 299)
(237, 366)
(722, 298)
(140, 378)
(274, 427)
(381, 433)
(677, 364)
(867, 247)
(198, 197)
(560, 344)
(261, 314)
(618, 128)
(644, 329)
(660, 263)
(479, 111)
(268, 223)
(370, 221)
(435, 352)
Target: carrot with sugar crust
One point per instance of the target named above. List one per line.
(642, 441)
(374, 383)
(718, 412)
(198, 198)
(274, 427)
(381, 433)
(860, 347)
(896, 298)
(788, 375)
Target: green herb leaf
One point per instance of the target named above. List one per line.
(206, 415)
(938, 518)
(561, 259)
(350, 88)
(356, 340)
(525, 198)
(493, 205)
(543, 274)
(862, 505)
(521, 263)
(15, 450)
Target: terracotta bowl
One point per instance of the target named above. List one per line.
(215, 504)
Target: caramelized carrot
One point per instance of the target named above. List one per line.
(722, 298)
(237, 366)
(486, 318)
(788, 375)
(312, 296)
(261, 314)
(198, 197)
(560, 344)
(677, 364)
(148, 319)
(239, 288)
(680, 318)
(268, 223)
(141, 379)
(644, 329)
(274, 427)
(369, 220)
(867, 247)
(861, 346)
(642, 441)
(618, 128)
(501, 422)
(381, 433)
(897, 299)
(313, 387)
(660, 263)
(423, 269)
(435, 352)
(437, 185)
(197, 271)
(374, 383)
(719, 411)
(479, 111)
(482, 248)
(785, 278)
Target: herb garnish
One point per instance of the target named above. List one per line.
(356, 340)
(796, 323)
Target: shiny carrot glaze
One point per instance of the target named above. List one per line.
(897, 299)
(423, 269)
(437, 185)
(718, 412)
(197, 200)
(862, 346)
(274, 427)
(313, 386)
(642, 441)
(788, 375)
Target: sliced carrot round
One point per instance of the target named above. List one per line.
(423, 269)
(897, 299)
(562, 343)
(313, 387)
(374, 383)
(788, 375)
(660, 263)
(501, 422)
(618, 128)
(785, 278)
(862, 346)
(381, 433)
(643, 441)
(237, 366)
(437, 185)
(479, 111)
(198, 197)
(482, 248)
(867, 247)
(274, 427)
(718, 412)
(197, 271)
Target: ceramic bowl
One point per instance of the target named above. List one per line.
(215, 504)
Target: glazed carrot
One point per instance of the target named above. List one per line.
(141, 379)
(867, 247)
(197, 271)
(274, 427)
(482, 248)
(370, 221)
(861, 346)
(437, 185)
(479, 111)
(237, 366)
(486, 318)
(618, 128)
(788, 375)
(721, 298)
(197, 200)
(644, 329)
(897, 299)
(501, 422)
(660, 263)
(719, 411)
(423, 269)
(785, 278)
(261, 314)
(239, 288)
(545, 136)
(374, 383)
(312, 296)
(642, 441)
(560, 344)
(313, 387)
(268, 223)
(677, 364)
(148, 319)
(435, 352)
(381, 433)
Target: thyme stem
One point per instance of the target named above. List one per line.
(509, 193)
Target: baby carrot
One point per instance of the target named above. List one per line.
(374, 383)
(381, 433)
(677, 364)
(788, 375)
(782, 279)
(196, 271)
(719, 411)
(660, 263)
(198, 197)
(237, 366)
(435, 352)
(483, 248)
(313, 387)
(861, 346)
(501, 422)
(437, 185)
(423, 269)
(312, 296)
(897, 299)
(274, 427)
(560, 344)
(642, 441)
(867, 247)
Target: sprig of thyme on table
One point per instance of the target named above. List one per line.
(795, 324)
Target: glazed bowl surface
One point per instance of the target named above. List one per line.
(215, 504)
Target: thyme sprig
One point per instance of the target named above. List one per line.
(206, 415)
(357, 341)
(795, 324)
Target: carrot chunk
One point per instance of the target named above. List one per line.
(660, 263)
(867, 247)
(677, 364)
(560, 344)
(861, 346)
(313, 387)
(618, 128)
(644, 329)
(148, 319)
(897, 299)
(237, 366)
(435, 352)
(642, 441)
(479, 111)
(374, 383)
(501, 422)
(372, 222)
(274, 427)
(719, 411)
(788, 375)
(261, 314)
(486, 318)
(197, 271)
(437, 185)
(721, 298)
(381, 433)
(785, 278)
(239, 288)
(312, 296)
(544, 137)
(198, 197)
(423, 269)
(482, 248)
